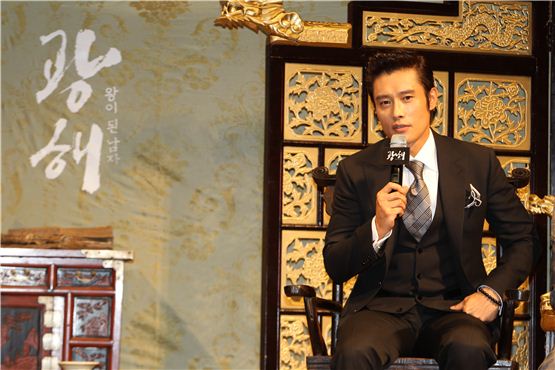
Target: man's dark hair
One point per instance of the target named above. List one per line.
(394, 60)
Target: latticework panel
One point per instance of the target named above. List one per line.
(520, 349)
(489, 253)
(332, 157)
(299, 190)
(295, 342)
(302, 263)
(322, 103)
(493, 110)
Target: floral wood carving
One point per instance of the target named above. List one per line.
(520, 344)
(294, 343)
(299, 190)
(493, 111)
(323, 103)
(489, 253)
(303, 264)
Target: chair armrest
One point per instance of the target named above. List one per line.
(517, 295)
(328, 305)
(512, 296)
(313, 306)
(299, 291)
(308, 292)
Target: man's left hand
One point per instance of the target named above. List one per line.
(479, 306)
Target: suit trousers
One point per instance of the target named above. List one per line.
(370, 339)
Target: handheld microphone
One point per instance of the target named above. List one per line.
(397, 155)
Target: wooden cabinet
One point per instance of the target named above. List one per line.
(61, 305)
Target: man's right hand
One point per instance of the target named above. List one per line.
(391, 202)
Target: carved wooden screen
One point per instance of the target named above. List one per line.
(490, 64)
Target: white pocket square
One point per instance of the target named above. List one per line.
(473, 197)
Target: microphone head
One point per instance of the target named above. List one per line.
(398, 152)
(398, 141)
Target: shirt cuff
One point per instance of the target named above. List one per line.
(377, 244)
(496, 294)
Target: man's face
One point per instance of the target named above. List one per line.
(402, 107)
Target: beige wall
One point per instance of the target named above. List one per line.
(186, 196)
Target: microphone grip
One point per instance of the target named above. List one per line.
(397, 174)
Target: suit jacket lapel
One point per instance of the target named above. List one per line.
(451, 191)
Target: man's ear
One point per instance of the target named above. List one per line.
(432, 98)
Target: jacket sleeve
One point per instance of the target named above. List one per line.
(513, 228)
(348, 249)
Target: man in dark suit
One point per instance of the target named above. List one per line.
(421, 288)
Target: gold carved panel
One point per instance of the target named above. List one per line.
(294, 343)
(302, 263)
(439, 124)
(502, 27)
(322, 103)
(299, 203)
(489, 253)
(332, 157)
(493, 110)
(520, 348)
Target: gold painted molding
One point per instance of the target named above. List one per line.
(269, 17)
(321, 34)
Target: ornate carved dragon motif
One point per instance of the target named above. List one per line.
(267, 16)
(482, 26)
(541, 206)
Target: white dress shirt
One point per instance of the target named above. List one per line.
(428, 156)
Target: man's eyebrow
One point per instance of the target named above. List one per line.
(383, 96)
(388, 96)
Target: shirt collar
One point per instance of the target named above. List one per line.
(428, 153)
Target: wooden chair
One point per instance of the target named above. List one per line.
(315, 306)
